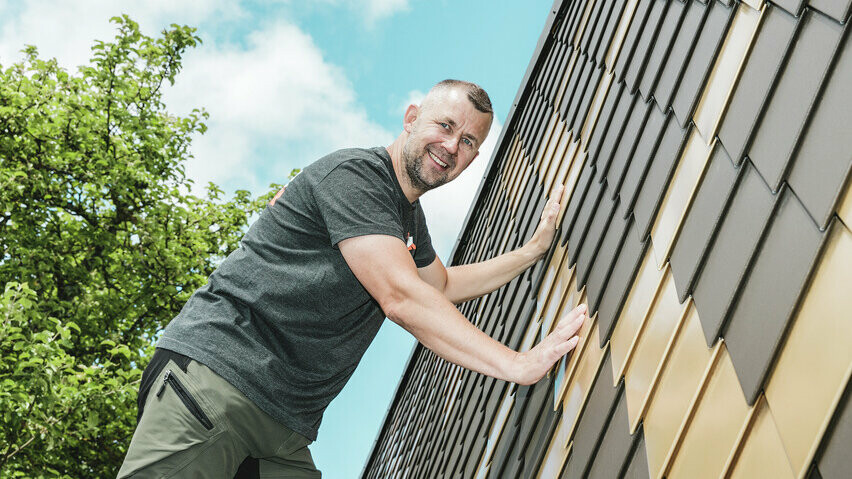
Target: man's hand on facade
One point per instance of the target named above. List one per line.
(543, 236)
(532, 365)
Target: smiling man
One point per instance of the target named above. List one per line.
(242, 375)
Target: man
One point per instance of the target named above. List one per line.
(253, 359)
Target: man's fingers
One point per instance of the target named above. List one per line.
(565, 347)
(556, 193)
(573, 321)
(553, 202)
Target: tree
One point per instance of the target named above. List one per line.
(101, 243)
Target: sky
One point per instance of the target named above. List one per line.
(287, 81)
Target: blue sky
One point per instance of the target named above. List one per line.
(288, 81)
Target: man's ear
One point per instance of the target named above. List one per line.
(411, 114)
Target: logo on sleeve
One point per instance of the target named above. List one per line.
(409, 243)
(277, 195)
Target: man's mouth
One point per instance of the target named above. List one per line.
(437, 160)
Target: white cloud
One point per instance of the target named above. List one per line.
(379, 9)
(415, 97)
(272, 92)
(276, 91)
(66, 30)
(446, 207)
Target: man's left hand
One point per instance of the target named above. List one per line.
(543, 236)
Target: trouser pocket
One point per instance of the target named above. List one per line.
(180, 423)
(185, 397)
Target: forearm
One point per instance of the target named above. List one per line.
(468, 281)
(471, 281)
(439, 326)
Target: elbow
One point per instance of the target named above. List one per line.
(395, 305)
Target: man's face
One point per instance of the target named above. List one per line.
(445, 134)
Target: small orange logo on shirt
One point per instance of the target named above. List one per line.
(277, 195)
(410, 243)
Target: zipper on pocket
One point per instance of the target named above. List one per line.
(185, 398)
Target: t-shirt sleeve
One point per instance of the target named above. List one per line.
(425, 254)
(356, 199)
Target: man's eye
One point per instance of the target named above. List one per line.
(445, 126)
(467, 142)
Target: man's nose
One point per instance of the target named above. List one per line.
(451, 145)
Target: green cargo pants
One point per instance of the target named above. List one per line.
(195, 424)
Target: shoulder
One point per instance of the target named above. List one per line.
(349, 161)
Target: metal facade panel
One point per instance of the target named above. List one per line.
(573, 86)
(631, 38)
(622, 162)
(759, 319)
(591, 26)
(609, 32)
(592, 422)
(588, 366)
(616, 444)
(792, 6)
(595, 108)
(823, 161)
(594, 237)
(836, 9)
(591, 88)
(836, 462)
(645, 44)
(612, 137)
(635, 171)
(544, 423)
(725, 71)
(584, 218)
(537, 406)
(731, 252)
(577, 166)
(820, 339)
(603, 263)
(797, 89)
(648, 281)
(677, 198)
(624, 22)
(577, 199)
(637, 468)
(773, 37)
(602, 126)
(713, 429)
(679, 380)
(663, 162)
(651, 348)
(701, 59)
(682, 47)
(583, 84)
(662, 46)
(557, 451)
(762, 454)
(629, 257)
(605, 21)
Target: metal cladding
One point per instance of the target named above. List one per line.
(705, 149)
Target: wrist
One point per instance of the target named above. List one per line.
(516, 369)
(536, 249)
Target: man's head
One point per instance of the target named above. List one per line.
(444, 133)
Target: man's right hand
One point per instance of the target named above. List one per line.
(530, 366)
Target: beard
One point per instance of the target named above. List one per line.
(414, 170)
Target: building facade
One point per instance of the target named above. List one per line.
(705, 148)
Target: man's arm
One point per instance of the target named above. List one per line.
(385, 268)
(464, 282)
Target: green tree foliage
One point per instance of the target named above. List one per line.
(101, 243)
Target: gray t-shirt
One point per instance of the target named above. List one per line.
(283, 318)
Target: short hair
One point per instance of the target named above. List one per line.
(475, 93)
